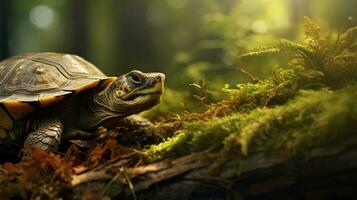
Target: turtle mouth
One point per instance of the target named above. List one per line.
(139, 94)
(149, 95)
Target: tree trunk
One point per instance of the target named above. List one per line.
(5, 12)
(79, 34)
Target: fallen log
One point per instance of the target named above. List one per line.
(329, 171)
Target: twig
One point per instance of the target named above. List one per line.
(254, 79)
(107, 187)
(130, 184)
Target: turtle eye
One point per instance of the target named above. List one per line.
(135, 78)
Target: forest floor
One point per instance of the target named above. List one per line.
(290, 134)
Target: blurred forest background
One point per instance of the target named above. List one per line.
(191, 41)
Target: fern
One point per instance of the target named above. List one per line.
(337, 63)
(312, 30)
(261, 51)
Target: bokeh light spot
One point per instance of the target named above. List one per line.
(259, 26)
(41, 16)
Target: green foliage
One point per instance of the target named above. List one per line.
(306, 105)
(337, 63)
(277, 89)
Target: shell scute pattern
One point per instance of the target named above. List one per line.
(29, 77)
(43, 79)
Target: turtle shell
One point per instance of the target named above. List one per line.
(36, 80)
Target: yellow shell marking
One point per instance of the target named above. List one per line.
(46, 101)
(106, 82)
(18, 109)
(87, 86)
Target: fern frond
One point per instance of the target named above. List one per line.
(348, 40)
(308, 55)
(261, 52)
(290, 45)
(312, 30)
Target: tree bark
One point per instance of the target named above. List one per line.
(322, 173)
(79, 27)
(5, 14)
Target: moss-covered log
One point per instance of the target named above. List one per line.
(327, 171)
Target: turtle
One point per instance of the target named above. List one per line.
(46, 97)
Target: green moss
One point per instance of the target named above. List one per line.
(276, 90)
(195, 136)
(310, 119)
(174, 146)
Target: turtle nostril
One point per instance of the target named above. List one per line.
(160, 77)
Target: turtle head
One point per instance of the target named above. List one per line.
(129, 94)
(138, 91)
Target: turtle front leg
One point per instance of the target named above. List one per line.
(137, 129)
(136, 122)
(46, 135)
